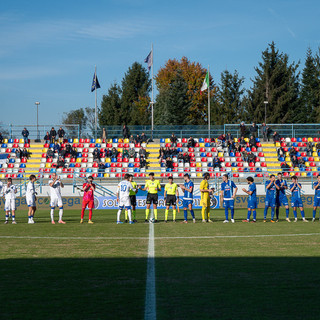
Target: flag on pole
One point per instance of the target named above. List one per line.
(205, 84)
(149, 60)
(95, 83)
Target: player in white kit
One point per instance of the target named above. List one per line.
(31, 198)
(9, 192)
(123, 198)
(55, 197)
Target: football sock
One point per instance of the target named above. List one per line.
(82, 213)
(249, 214)
(272, 213)
(302, 213)
(254, 214)
(125, 214)
(203, 210)
(287, 213)
(90, 214)
(185, 213)
(295, 213)
(60, 213)
(155, 211)
(265, 213)
(314, 213)
(147, 213)
(208, 212)
(277, 213)
(192, 213)
(7, 217)
(166, 214)
(226, 213)
(118, 214)
(129, 214)
(13, 217)
(174, 214)
(51, 214)
(134, 214)
(232, 213)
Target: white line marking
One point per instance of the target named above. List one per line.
(162, 238)
(150, 312)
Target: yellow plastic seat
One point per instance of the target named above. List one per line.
(303, 174)
(198, 165)
(167, 140)
(235, 139)
(220, 154)
(76, 140)
(120, 140)
(126, 140)
(234, 169)
(314, 169)
(21, 140)
(44, 149)
(296, 169)
(48, 165)
(316, 159)
(310, 139)
(288, 159)
(201, 144)
(278, 144)
(106, 175)
(314, 154)
(246, 139)
(78, 160)
(307, 164)
(199, 174)
(98, 140)
(314, 149)
(109, 140)
(108, 160)
(2, 175)
(6, 140)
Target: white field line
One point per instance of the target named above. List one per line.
(163, 238)
(150, 312)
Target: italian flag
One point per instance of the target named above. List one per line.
(205, 84)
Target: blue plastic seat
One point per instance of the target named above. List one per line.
(203, 154)
(179, 149)
(22, 165)
(210, 164)
(294, 144)
(257, 140)
(71, 165)
(12, 160)
(234, 164)
(79, 155)
(162, 140)
(4, 145)
(10, 141)
(98, 145)
(302, 169)
(232, 154)
(100, 175)
(298, 154)
(20, 175)
(305, 158)
(130, 165)
(89, 170)
(201, 140)
(136, 170)
(299, 140)
(309, 174)
(51, 145)
(115, 140)
(169, 170)
(53, 170)
(248, 149)
(163, 165)
(70, 140)
(246, 170)
(92, 141)
(281, 159)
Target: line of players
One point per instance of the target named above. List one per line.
(127, 189)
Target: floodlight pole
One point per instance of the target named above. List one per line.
(265, 111)
(38, 135)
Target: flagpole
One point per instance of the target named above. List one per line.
(95, 109)
(152, 118)
(209, 102)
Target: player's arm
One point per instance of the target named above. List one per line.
(86, 187)
(165, 193)
(118, 189)
(51, 184)
(61, 184)
(269, 185)
(291, 189)
(277, 186)
(159, 187)
(299, 186)
(235, 192)
(221, 195)
(182, 187)
(177, 193)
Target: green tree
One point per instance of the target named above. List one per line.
(227, 104)
(277, 81)
(76, 117)
(110, 111)
(136, 86)
(173, 106)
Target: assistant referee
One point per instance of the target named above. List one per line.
(171, 195)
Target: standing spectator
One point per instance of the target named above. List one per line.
(309, 149)
(243, 129)
(264, 131)
(125, 132)
(53, 135)
(1, 138)
(46, 138)
(104, 134)
(25, 134)
(254, 130)
(229, 136)
(173, 140)
(61, 134)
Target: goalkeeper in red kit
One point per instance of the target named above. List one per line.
(88, 198)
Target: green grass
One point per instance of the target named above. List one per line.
(78, 271)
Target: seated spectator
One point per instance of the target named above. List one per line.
(251, 157)
(143, 138)
(309, 149)
(242, 142)
(108, 152)
(143, 162)
(63, 153)
(25, 153)
(161, 150)
(292, 152)
(237, 147)
(56, 148)
(125, 153)
(132, 152)
(46, 138)
(281, 152)
(50, 153)
(174, 152)
(61, 163)
(245, 155)
(295, 162)
(191, 143)
(285, 167)
(143, 152)
(53, 135)
(252, 142)
(302, 163)
(318, 146)
(167, 152)
(96, 154)
(231, 145)
(173, 140)
(276, 137)
(229, 136)
(180, 157)
(169, 163)
(186, 158)
(101, 167)
(137, 139)
(161, 157)
(212, 142)
(61, 134)
(222, 138)
(216, 163)
(114, 153)
(19, 153)
(131, 139)
(73, 153)
(68, 148)
(1, 138)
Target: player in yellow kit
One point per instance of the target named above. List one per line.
(171, 195)
(152, 186)
(205, 198)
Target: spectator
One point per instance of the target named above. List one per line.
(1, 138)
(251, 157)
(125, 153)
(25, 134)
(132, 153)
(212, 142)
(254, 130)
(242, 141)
(295, 162)
(245, 155)
(61, 134)
(285, 167)
(167, 152)
(56, 147)
(101, 167)
(107, 152)
(143, 138)
(237, 147)
(276, 137)
(19, 153)
(61, 163)
(114, 153)
(180, 157)
(173, 140)
(318, 146)
(96, 154)
(281, 153)
(162, 157)
(169, 163)
(191, 142)
(309, 149)
(73, 153)
(68, 148)
(63, 153)
(222, 138)
(231, 145)
(50, 153)
(216, 163)
(229, 136)
(25, 153)
(302, 163)
(161, 150)
(243, 129)
(104, 134)
(174, 152)
(143, 162)
(252, 142)
(46, 138)
(292, 152)
(131, 139)
(125, 132)
(264, 131)
(53, 135)
(143, 152)
(137, 139)
(186, 158)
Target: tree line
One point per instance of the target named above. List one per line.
(292, 96)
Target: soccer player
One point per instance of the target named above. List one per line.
(55, 197)
(205, 198)
(316, 202)
(9, 192)
(133, 199)
(31, 198)
(252, 200)
(171, 195)
(88, 198)
(281, 198)
(187, 187)
(296, 200)
(152, 186)
(228, 193)
(270, 197)
(123, 197)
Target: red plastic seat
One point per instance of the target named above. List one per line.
(293, 140)
(192, 165)
(181, 175)
(95, 165)
(120, 145)
(184, 140)
(138, 145)
(199, 169)
(137, 165)
(238, 154)
(228, 164)
(83, 170)
(186, 170)
(119, 165)
(304, 140)
(252, 169)
(16, 141)
(310, 159)
(169, 174)
(84, 160)
(214, 149)
(239, 159)
(236, 175)
(283, 144)
(77, 165)
(263, 164)
(315, 139)
(241, 169)
(10, 165)
(92, 145)
(81, 140)
(70, 176)
(95, 175)
(162, 175)
(221, 159)
(136, 175)
(197, 145)
(87, 141)
(179, 144)
(124, 170)
(113, 170)
(209, 154)
(191, 155)
(254, 149)
(259, 175)
(191, 150)
(109, 145)
(113, 165)
(251, 164)
(202, 149)
(240, 164)
(258, 144)
(142, 175)
(261, 154)
(204, 159)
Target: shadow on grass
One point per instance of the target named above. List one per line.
(187, 288)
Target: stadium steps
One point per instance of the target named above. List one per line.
(153, 150)
(271, 156)
(33, 164)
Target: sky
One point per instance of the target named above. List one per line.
(48, 50)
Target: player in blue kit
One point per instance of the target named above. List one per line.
(270, 198)
(228, 193)
(281, 198)
(187, 187)
(316, 202)
(296, 201)
(252, 200)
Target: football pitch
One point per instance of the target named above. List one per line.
(202, 271)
